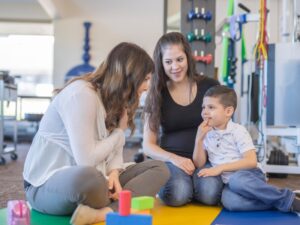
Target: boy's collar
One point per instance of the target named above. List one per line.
(229, 127)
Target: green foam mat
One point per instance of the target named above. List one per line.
(39, 218)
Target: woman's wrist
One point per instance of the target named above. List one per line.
(113, 172)
(171, 157)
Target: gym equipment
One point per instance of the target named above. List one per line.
(8, 95)
(206, 59)
(139, 157)
(85, 67)
(277, 157)
(198, 25)
(203, 15)
(225, 44)
(283, 107)
(230, 79)
(261, 51)
(194, 36)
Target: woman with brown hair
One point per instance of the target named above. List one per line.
(174, 104)
(76, 158)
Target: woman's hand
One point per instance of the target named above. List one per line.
(183, 163)
(123, 122)
(114, 185)
(203, 128)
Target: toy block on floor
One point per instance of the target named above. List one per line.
(142, 203)
(116, 219)
(124, 202)
(142, 212)
(18, 213)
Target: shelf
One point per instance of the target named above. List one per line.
(281, 169)
(8, 93)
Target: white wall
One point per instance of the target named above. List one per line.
(22, 11)
(138, 21)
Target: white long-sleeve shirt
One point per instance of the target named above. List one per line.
(73, 132)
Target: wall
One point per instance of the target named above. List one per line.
(20, 11)
(138, 21)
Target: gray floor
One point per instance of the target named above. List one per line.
(11, 182)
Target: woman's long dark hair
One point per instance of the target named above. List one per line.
(118, 79)
(159, 78)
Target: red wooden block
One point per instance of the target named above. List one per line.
(124, 202)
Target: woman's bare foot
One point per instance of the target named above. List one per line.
(84, 215)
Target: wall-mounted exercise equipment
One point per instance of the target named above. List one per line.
(227, 44)
(205, 59)
(198, 25)
(203, 15)
(85, 67)
(195, 36)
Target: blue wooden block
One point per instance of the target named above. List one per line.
(116, 219)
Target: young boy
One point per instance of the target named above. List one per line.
(232, 154)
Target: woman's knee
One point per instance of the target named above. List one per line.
(90, 186)
(163, 169)
(87, 175)
(176, 192)
(207, 190)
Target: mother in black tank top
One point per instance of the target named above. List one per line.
(172, 116)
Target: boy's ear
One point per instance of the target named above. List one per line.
(229, 111)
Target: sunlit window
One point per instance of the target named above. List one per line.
(29, 58)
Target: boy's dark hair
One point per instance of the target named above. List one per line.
(226, 95)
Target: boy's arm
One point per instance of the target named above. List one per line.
(199, 154)
(248, 161)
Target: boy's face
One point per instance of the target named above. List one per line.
(215, 113)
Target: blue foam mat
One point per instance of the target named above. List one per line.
(256, 218)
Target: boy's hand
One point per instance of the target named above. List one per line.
(203, 129)
(210, 172)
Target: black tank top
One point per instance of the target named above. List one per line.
(179, 123)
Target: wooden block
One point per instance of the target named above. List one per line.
(142, 212)
(142, 203)
(124, 202)
(117, 219)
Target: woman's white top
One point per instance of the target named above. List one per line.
(73, 132)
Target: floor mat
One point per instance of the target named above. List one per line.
(256, 218)
(192, 214)
(39, 219)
